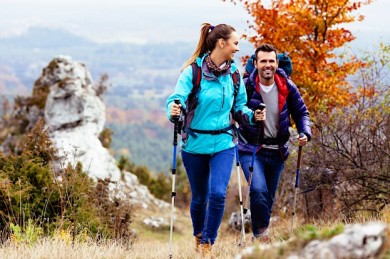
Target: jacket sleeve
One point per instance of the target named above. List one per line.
(182, 89)
(242, 114)
(298, 110)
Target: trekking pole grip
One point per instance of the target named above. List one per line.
(260, 107)
(298, 161)
(175, 118)
(260, 124)
(176, 125)
(301, 135)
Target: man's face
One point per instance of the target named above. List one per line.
(266, 63)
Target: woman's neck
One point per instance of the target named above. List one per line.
(218, 60)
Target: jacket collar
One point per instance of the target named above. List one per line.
(206, 71)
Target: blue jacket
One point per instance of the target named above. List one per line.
(215, 101)
(290, 103)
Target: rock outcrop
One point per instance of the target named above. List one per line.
(75, 115)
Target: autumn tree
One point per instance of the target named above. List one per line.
(311, 31)
(353, 174)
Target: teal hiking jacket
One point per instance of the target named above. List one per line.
(215, 102)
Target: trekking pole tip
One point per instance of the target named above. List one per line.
(241, 244)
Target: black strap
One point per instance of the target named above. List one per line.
(211, 132)
(269, 141)
(262, 141)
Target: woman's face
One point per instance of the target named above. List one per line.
(230, 46)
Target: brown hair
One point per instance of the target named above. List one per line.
(209, 35)
(266, 48)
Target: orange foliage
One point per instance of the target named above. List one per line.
(310, 30)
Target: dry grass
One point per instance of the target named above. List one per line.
(61, 249)
(151, 243)
(151, 249)
(155, 244)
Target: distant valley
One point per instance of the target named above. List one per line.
(140, 78)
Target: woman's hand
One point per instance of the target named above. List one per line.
(175, 110)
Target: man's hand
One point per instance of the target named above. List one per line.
(302, 139)
(260, 115)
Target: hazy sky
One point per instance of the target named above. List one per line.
(154, 20)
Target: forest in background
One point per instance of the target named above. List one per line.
(140, 77)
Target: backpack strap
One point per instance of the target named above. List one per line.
(249, 90)
(196, 78)
(236, 82)
(192, 101)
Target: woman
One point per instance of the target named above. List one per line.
(208, 152)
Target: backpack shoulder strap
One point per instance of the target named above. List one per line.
(196, 77)
(236, 82)
(192, 101)
(250, 88)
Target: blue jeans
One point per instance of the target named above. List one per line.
(209, 177)
(268, 167)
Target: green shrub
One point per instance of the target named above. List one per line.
(35, 201)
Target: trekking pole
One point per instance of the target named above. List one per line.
(242, 240)
(296, 184)
(175, 131)
(261, 107)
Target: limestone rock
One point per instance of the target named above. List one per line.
(156, 222)
(357, 241)
(74, 116)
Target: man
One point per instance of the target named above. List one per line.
(269, 85)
